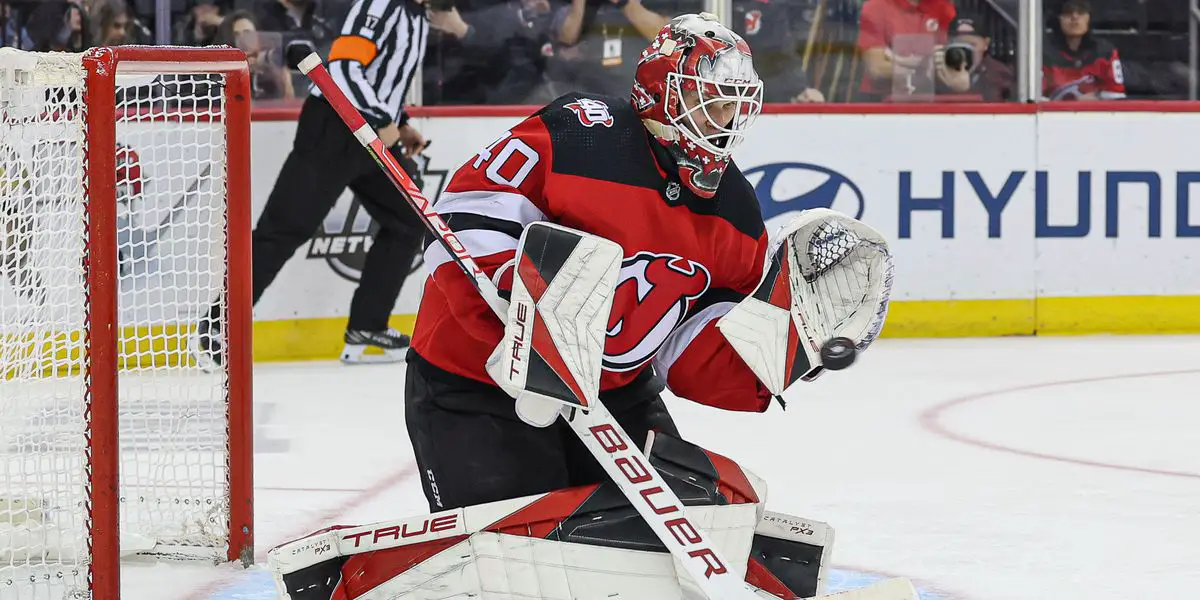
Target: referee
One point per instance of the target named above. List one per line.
(373, 59)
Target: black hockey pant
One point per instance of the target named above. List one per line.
(471, 447)
(324, 161)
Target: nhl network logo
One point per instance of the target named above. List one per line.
(348, 231)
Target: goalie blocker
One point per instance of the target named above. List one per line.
(574, 543)
(562, 294)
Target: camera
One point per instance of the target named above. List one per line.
(960, 56)
(440, 5)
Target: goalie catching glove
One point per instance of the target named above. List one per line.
(828, 276)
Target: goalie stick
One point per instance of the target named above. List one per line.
(628, 467)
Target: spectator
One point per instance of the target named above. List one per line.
(493, 55)
(268, 78)
(294, 18)
(302, 31)
(137, 32)
(110, 22)
(1076, 65)
(898, 40)
(979, 76)
(599, 42)
(59, 26)
(771, 27)
(12, 34)
(200, 27)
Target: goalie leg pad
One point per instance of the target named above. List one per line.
(314, 582)
(578, 543)
(790, 555)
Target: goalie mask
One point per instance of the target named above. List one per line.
(697, 92)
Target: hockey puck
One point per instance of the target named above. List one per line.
(838, 353)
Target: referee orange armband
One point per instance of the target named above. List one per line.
(353, 47)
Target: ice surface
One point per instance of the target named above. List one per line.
(983, 469)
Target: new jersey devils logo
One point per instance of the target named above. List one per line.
(654, 292)
(753, 22)
(591, 112)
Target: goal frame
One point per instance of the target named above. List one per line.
(102, 66)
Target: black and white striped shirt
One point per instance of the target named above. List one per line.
(375, 57)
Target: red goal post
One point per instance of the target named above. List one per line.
(124, 221)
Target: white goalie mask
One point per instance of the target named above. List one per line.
(697, 92)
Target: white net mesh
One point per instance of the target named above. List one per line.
(43, 392)
(170, 238)
(171, 255)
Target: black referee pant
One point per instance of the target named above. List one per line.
(324, 161)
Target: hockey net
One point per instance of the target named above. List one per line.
(123, 223)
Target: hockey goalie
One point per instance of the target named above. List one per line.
(631, 257)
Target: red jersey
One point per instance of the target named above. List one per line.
(1095, 68)
(587, 162)
(904, 28)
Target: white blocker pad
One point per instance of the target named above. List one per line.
(582, 543)
(553, 342)
(827, 275)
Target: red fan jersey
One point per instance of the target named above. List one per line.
(904, 28)
(587, 162)
(1095, 68)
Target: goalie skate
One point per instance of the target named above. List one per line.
(576, 543)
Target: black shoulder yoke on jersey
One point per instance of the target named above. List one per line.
(625, 153)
